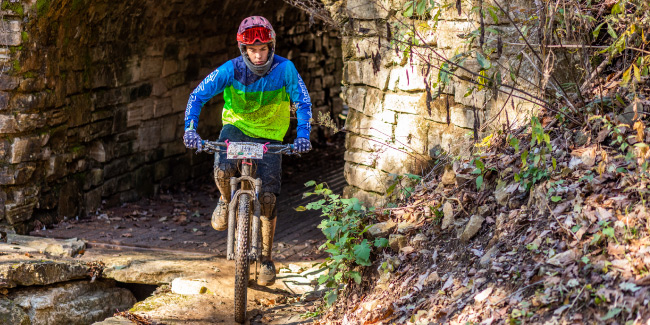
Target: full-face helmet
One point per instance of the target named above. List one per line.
(256, 30)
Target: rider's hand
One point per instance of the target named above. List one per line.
(192, 140)
(302, 145)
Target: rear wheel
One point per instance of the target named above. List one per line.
(242, 264)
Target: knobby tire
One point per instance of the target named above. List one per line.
(242, 263)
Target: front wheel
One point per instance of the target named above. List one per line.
(242, 264)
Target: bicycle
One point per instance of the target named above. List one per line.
(248, 249)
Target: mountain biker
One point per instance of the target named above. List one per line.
(258, 89)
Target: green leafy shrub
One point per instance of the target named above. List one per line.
(343, 226)
(535, 160)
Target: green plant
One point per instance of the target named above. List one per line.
(535, 160)
(343, 226)
(402, 186)
(607, 230)
(519, 314)
(438, 214)
(555, 188)
(16, 66)
(532, 246)
(311, 314)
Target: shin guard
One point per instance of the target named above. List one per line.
(268, 218)
(222, 175)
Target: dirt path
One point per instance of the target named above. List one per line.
(266, 305)
(180, 218)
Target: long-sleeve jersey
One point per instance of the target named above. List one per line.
(259, 106)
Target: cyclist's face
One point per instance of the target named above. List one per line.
(258, 54)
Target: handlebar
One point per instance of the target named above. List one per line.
(216, 146)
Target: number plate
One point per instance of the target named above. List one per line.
(245, 150)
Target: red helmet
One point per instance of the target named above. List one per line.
(255, 29)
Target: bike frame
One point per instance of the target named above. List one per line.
(235, 192)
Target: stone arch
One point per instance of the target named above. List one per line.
(93, 92)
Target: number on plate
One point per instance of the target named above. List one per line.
(245, 150)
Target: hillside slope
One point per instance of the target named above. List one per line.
(555, 229)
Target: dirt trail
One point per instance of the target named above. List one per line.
(214, 306)
(179, 219)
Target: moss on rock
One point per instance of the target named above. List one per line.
(16, 7)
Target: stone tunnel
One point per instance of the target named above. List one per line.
(93, 93)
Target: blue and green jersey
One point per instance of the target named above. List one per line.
(259, 106)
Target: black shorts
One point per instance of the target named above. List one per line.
(269, 169)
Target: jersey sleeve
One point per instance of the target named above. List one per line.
(211, 86)
(299, 95)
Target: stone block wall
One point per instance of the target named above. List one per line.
(394, 126)
(92, 95)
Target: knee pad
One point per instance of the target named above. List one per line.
(222, 175)
(267, 204)
(224, 171)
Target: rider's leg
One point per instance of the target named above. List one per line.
(222, 174)
(268, 218)
(224, 169)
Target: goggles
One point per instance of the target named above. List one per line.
(251, 35)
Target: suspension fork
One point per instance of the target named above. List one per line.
(245, 180)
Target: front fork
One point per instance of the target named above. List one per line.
(256, 244)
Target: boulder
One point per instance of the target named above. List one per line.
(40, 272)
(448, 212)
(405, 227)
(485, 210)
(418, 240)
(397, 242)
(382, 229)
(12, 314)
(449, 177)
(501, 196)
(472, 227)
(487, 257)
(151, 268)
(79, 302)
(57, 247)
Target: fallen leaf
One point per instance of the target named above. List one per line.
(562, 259)
(483, 295)
(448, 284)
(629, 286)
(640, 130)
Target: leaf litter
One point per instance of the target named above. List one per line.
(574, 249)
